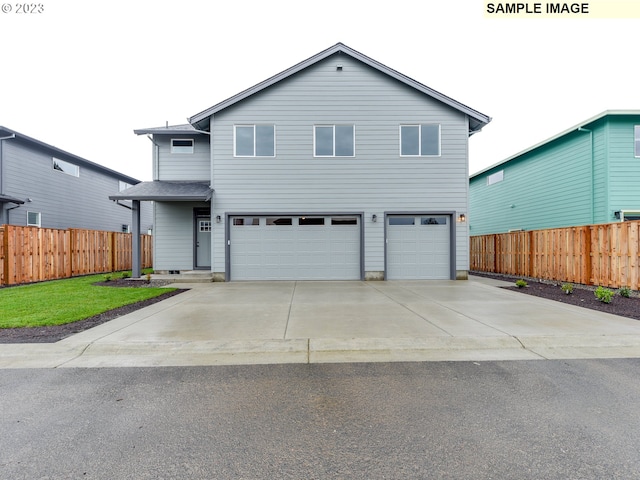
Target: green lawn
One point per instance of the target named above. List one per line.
(65, 301)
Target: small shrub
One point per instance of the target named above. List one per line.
(567, 288)
(521, 283)
(149, 277)
(624, 292)
(605, 295)
(126, 274)
(108, 277)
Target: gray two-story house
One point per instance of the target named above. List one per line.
(44, 186)
(336, 168)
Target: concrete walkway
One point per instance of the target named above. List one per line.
(314, 322)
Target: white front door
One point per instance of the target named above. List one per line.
(203, 242)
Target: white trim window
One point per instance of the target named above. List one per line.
(182, 145)
(420, 140)
(33, 219)
(636, 136)
(334, 141)
(254, 140)
(495, 177)
(66, 167)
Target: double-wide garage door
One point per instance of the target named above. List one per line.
(418, 247)
(295, 247)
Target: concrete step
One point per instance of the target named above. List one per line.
(190, 276)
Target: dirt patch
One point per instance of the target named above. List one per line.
(58, 332)
(582, 295)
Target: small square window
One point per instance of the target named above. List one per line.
(33, 219)
(182, 145)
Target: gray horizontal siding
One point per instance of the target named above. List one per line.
(377, 179)
(64, 201)
(183, 166)
(173, 238)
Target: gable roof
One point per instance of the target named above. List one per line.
(7, 133)
(583, 124)
(477, 120)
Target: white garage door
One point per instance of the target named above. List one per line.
(418, 247)
(295, 247)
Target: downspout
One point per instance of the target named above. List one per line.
(593, 199)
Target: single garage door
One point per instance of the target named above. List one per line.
(295, 247)
(418, 247)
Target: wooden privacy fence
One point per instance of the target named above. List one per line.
(32, 254)
(605, 254)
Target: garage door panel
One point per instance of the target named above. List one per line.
(418, 247)
(309, 248)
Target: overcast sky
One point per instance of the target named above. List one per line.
(83, 75)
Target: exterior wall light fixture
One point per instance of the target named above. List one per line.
(218, 219)
(374, 218)
(462, 218)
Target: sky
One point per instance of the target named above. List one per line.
(82, 76)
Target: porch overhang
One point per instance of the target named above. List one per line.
(10, 199)
(163, 191)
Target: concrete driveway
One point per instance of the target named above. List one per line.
(309, 322)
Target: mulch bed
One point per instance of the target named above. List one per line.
(58, 332)
(582, 295)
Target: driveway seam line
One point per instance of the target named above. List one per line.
(293, 293)
(412, 311)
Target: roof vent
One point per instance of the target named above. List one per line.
(339, 67)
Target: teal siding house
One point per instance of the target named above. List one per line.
(585, 175)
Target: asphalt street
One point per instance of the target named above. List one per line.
(576, 419)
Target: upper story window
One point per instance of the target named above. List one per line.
(637, 140)
(182, 145)
(66, 167)
(495, 177)
(334, 141)
(420, 140)
(254, 141)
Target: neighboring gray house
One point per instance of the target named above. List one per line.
(337, 168)
(43, 186)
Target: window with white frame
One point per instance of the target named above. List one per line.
(182, 145)
(33, 219)
(334, 140)
(420, 140)
(495, 177)
(254, 140)
(66, 167)
(637, 140)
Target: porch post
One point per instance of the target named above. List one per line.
(135, 239)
